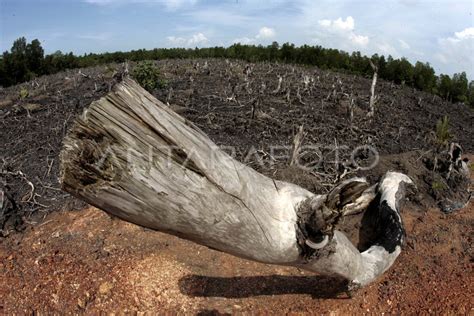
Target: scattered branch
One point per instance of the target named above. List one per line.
(297, 141)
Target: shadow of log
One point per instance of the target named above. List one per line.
(249, 286)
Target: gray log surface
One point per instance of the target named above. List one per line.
(133, 157)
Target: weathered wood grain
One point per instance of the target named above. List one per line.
(133, 157)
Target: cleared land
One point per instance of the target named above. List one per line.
(86, 261)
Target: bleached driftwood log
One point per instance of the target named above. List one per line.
(133, 157)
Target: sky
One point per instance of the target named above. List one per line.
(439, 32)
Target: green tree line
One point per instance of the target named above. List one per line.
(26, 61)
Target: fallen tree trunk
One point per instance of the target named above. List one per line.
(133, 157)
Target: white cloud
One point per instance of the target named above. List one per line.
(244, 41)
(347, 25)
(176, 4)
(339, 24)
(403, 44)
(457, 52)
(465, 34)
(194, 40)
(325, 23)
(178, 41)
(197, 39)
(344, 30)
(266, 32)
(359, 39)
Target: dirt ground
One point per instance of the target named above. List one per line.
(86, 261)
(61, 256)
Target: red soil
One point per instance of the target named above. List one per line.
(88, 262)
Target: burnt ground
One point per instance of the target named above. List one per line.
(61, 261)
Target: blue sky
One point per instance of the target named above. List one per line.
(440, 32)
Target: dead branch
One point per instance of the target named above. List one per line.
(297, 141)
(298, 96)
(373, 97)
